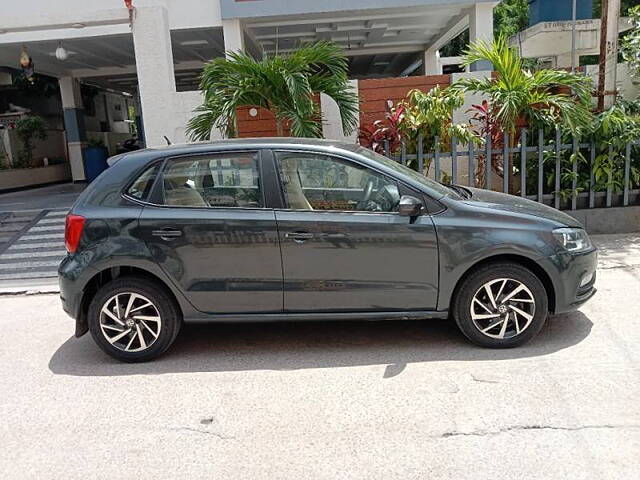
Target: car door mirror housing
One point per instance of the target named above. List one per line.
(409, 206)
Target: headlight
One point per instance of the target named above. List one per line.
(573, 239)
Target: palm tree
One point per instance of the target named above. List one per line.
(282, 84)
(543, 97)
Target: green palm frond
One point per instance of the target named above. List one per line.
(285, 85)
(546, 97)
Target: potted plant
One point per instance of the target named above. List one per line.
(95, 158)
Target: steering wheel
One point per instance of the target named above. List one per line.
(368, 190)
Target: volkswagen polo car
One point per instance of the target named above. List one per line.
(295, 229)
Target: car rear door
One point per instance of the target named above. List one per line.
(344, 252)
(212, 234)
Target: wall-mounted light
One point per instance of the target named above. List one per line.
(253, 112)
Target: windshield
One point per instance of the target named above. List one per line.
(427, 182)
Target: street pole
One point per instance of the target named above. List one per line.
(602, 61)
(608, 53)
(573, 37)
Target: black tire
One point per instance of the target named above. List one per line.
(169, 312)
(475, 281)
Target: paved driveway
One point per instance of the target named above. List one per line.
(381, 400)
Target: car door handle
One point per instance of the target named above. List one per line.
(299, 236)
(167, 233)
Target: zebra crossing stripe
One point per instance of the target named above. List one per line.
(29, 246)
(27, 275)
(53, 228)
(59, 213)
(34, 264)
(51, 220)
(24, 255)
(42, 236)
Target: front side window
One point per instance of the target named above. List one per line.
(220, 180)
(320, 182)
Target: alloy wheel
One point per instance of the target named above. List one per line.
(502, 308)
(130, 322)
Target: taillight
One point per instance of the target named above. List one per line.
(73, 227)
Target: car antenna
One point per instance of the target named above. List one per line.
(169, 142)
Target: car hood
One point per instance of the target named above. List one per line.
(515, 204)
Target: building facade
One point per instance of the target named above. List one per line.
(153, 52)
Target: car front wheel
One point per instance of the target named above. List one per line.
(133, 319)
(500, 305)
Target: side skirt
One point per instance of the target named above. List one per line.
(295, 317)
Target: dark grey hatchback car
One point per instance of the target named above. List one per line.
(292, 229)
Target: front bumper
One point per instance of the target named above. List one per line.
(573, 276)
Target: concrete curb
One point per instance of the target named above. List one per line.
(30, 289)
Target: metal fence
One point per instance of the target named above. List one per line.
(547, 168)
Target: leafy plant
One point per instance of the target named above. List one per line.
(95, 142)
(484, 123)
(29, 128)
(385, 134)
(431, 114)
(282, 84)
(630, 45)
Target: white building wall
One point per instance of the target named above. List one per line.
(181, 13)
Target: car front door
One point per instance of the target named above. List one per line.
(344, 246)
(212, 234)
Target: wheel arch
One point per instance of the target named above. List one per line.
(104, 276)
(526, 262)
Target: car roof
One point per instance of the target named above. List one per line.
(263, 142)
(236, 143)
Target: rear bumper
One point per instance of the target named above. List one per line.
(573, 277)
(73, 277)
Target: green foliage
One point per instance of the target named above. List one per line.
(625, 5)
(95, 142)
(541, 97)
(28, 129)
(611, 132)
(510, 17)
(630, 45)
(431, 114)
(285, 85)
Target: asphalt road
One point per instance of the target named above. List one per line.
(384, 400)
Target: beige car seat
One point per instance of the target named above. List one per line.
(179, 193)
(295, 195)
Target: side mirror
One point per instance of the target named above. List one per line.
(409, 206)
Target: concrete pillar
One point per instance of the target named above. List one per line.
(332, 125)
(154, 64)
(432, 62)
(74, 125)
(233, 35)
(481, 28)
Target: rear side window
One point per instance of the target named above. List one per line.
(141, 187)
(221, 180)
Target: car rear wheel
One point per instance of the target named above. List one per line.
(133, 319)
(500, 305)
